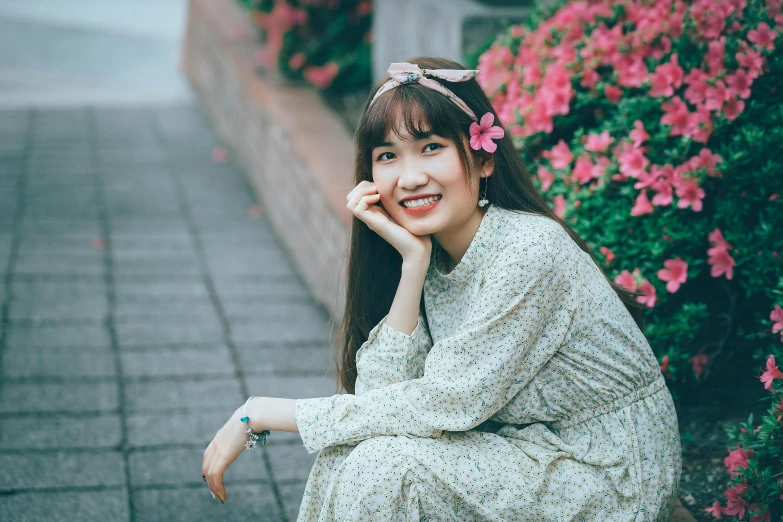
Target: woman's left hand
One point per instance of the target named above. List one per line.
(228, 443)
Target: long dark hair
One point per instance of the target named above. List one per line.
(374, 266)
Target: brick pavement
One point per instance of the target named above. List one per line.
(119, 364)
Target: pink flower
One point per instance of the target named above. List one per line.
(648, 291)
(715, 510)
(296, 61)
(716, 96)
(613, 93)
(666, 78)
(219, 154)
(752, 61)
(697, 86)
(495, 67)
(777, 319)
(642, 205)
(675, 113)
(715, 55)
(626, 280)
(560, 156)
(699, 125)
(321, 77)
(609, 255)
(638, 134)
(708, 160)
(699, 363)
(599, 142)
(773, 372)
(739, 83)
(676, 273)
(736, 458)
(633, 162)
(762, 36)
(721, 262)
(481, 135)
(664, 363)
(733, 108)
(719, 258)
(735, 504)
(716, 237)
(560, 205)
(546, 178)
(690, 194)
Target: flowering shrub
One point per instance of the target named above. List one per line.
(755, 460)
(656, 128)
(323, 42)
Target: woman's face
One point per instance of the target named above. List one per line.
(409, 170)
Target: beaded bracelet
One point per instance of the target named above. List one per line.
(254, 437)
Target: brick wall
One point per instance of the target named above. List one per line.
(296, 151)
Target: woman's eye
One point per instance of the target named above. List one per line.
(380, 156)
(438, 145)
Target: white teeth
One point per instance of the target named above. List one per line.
(420, 202)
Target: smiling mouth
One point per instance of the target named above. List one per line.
(416, 203)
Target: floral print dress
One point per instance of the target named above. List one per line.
(530, 395)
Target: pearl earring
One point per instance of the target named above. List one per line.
(483, 201)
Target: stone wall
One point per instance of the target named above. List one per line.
(297, 152)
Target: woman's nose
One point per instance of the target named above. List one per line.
(412, 175)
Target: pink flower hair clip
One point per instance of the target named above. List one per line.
(481, 135)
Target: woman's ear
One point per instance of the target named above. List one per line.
(487, 165)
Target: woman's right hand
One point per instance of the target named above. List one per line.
(364, 203)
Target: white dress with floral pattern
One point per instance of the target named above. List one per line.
(530, 395)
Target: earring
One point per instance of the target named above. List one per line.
(483, 201)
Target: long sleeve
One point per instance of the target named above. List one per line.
(389, 356)
(519, 320)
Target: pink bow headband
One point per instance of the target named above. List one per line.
(481, 135)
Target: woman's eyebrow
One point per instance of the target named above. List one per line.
(419, 136)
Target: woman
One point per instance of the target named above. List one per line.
(493, 371)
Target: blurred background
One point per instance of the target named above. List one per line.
(173, 235)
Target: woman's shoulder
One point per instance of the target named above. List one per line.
(528, 235)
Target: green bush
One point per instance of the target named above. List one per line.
(323, 42)
(656, 129)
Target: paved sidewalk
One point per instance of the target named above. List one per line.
(142, 304)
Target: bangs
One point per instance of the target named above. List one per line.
(412, 112)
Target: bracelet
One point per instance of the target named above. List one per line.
(254, 437)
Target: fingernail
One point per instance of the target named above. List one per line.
(213, 495)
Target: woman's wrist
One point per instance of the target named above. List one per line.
(271, 413)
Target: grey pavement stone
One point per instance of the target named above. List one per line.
(131, 155)
(50, 177)
(51, 469)
(59, 228)
(149, 228)
(291, 387)
(59, 262)
(67, 506)
(292, 498)
(195, 504)
(11, 167)
(56, 241)
(62, 202)
(154, 331)
(183, 466)
(246, 232)
(173, 307)
(178, 362)
(159, 289)
(291, 329)
(291, 462)
(58, 300)
(28, 361)
(249, 261)
(285, 359)
(128, 244)
(183, 395)
(81, 336)
(71, 432)
(154, 428)
(147, 262)
(276, 308)
(58, 398)
(289, 287)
